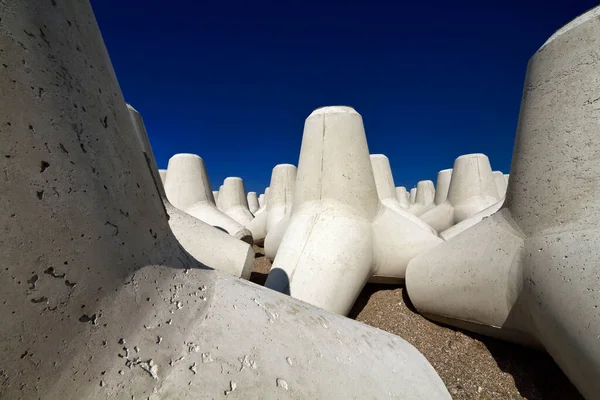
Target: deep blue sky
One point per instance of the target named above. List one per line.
(233, 81)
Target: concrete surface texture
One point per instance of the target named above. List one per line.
(99, 300)
(472, 189)
(340, 234)
(412, 195)
(501, 183)
(279, 206)
(208, 245)
(424, 198)
(442, 186)
(234, 201)
(188, 189)
(402, 196)
(252, 202)
(529, 272)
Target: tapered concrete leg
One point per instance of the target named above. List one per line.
(163, 175)
(234, 202)
(472, 187)
(531, 269)
(215, 196)
(340, 234)
(188, 189)
(218, 203)
(90, 269)
(210, 246)
(442, 186)
(252, 202)
(281, 194)
(501, 183)
(402, 196)
(412, 195)
(261, 200)
(423, 198)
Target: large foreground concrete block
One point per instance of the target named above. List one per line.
(188, 189)
(209, 245)
(530, 271)
(98, 299)
(340, 234)
(472, 189)
(234, 202)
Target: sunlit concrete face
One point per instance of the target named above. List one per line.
(340, 234)
(99, 300)
(529, 272)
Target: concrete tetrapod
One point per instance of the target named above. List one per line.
(386, 190)
(279, 206)
(412, 195)
(252, 202)
(215, 196)
(208, 245)
(501, 183)
(98, 299)
(340, 234)
(472, 189)
(424, 198)
(188, 189)
(258, 226)
(261, 200)
(233, 200)
(530, 272)
(402, 196)
(442, 186)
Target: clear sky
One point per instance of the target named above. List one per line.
(233, 81)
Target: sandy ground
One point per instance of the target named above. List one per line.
(471, 366)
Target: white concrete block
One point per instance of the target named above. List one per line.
(529, 272)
